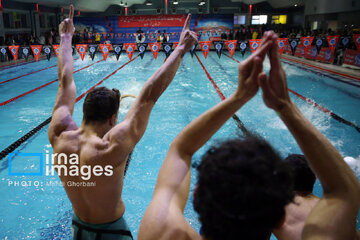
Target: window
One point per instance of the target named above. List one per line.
(6, 18)
(42, 21)
(51, 21)
(239, 19)
(259, 19)
(279, 19)
(24, 22)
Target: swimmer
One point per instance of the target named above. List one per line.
(99, 142)
(243, 185)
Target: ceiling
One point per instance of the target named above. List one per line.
(102, 5)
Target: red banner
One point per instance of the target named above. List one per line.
(152, 21)
(130, 49)
(205, 47)
(56, 49)
(332, 41)
(176, 44)
(36, 50)
(254, 44)
(155, 47)
(325, 55)
(14, 51)
(352, 57)
(231, 46)
(82, 50)
(306, 42)
(105, 49)
(281, 44)
(357, 41)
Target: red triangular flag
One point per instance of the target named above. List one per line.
(306, 42)
(176, 44)
(357, 40)
(231, 46)
(155, 47)
(130, 49)
(36, 50)
(14, 51)
(282, 42)
(205, 47)
(105, 49)
(82, 50)
(56, 49)
(105, 35)
(332, 41)
(112, 35)
(254, 44)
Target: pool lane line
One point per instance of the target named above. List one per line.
(20, 63)
(12, 147)
(318, 106)
(42, 86)
(237, 120)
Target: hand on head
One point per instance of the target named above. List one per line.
(187, 38)
(66, 27)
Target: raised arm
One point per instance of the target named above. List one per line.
(66, 95)
(173, 183)
(334, 216)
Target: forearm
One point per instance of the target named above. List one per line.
(65, 61)
(329, 166)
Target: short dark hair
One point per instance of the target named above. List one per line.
(100, 104)
(243, 188)
(304, 177)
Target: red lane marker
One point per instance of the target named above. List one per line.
(21, 61)
(42, 86)
(97, 84)
(231, 58)
(211, 80)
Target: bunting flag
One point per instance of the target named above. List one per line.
(105, 49)
(92, 50)
(218, 47)
(155, 47)
(231, 46)
(89, 35)
(36, 50)
(345, 40)
(306, 42)
(254, 44)
(127, 35)
(205, 47)
(130, 49)
(119, 35)
(332, 42)
(25, 51)
(167, 48)
(176, 44)
(47, 50)
(319, 43)
(192, 50)
(82, 50)
(112, 35)
(118, 48)
(14, 51)
(357, 41)
(56, 49)
(293, 44)
(281, 44)
(243, 46)
(3, 52)
(142, 48)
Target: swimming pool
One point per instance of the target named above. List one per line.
(44, 211)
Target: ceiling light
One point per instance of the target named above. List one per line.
(175, 2)
(121, 3)
(202, 3)
(148, 3)
(126, 4)
(295, 5)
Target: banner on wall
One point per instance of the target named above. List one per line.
(25, 51)
(345, 40)
(352, 57)
(357, 41)
(47, 51)
(14, 51)
(192, 50)
(332, 42)
(92, 50)
(254, 44)
(142, 48)
(130, 49)
(219, 45)
(325, 55)
(205, 47)
(167, 48)
(231, 46)
(117, 49)
(36, 49)
(137, 21)
(306, 42)
(105, 49)
(243, 46)
(319, 42)
(281, 44)
(56, 49)
(82, 50)
(293, 43)
(155, 47)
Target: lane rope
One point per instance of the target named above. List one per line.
(20, 63)
(237, 120)
(32, 132)
(318, 106)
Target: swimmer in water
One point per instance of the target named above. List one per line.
(101, 144)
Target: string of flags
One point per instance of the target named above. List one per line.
(219, 46)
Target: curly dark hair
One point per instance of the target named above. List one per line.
(304, 177)
(243, 188)
(100, 104)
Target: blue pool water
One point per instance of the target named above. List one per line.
(44, 211)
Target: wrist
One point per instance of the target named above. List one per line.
(181, 49)
(289, 109)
